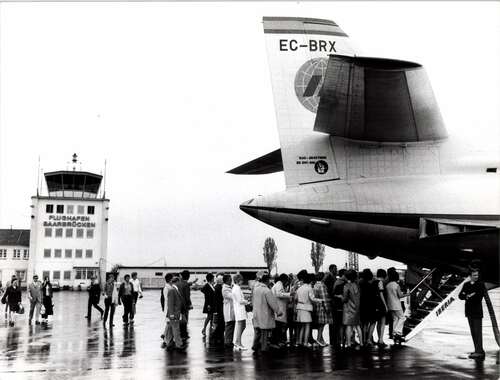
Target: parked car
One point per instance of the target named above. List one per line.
(55, 286)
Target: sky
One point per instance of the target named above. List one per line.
(172, 95)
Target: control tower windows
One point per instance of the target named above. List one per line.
(70, 209)
(88, 253)
(90, 234)
(90, 210)
(59, 232)
(49, 209)
(81, 209)
(79, 233)
(46, 253)
(60, 209)
(57, 253)
(48, 232)
(78, 253)
(69, 232)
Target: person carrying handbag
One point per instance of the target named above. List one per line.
(12, 297)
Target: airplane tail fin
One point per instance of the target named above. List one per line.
(298, 50)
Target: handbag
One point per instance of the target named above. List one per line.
(248, 307)
(21, 309)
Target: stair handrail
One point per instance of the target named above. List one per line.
(422, 280)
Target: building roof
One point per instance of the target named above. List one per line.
(15, 237)
(211, 267)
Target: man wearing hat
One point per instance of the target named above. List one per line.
(35, 297)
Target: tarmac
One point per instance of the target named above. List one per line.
(71, 347)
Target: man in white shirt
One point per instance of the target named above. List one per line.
(136, 293)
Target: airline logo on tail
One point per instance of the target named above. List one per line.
(308, 82)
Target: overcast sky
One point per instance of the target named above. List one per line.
(172, 95)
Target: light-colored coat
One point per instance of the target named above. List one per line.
(35, 292)
(283, 300)
(394, 295)
(239, 302)
(265, 305)
(227, 296)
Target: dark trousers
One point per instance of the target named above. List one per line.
(184, 325)
(128, 308)
(109, 309)
(261, 339)
(279, 333)
(229, 332)
(217, 335)
(135, 295)
(338, 330)
(95, 303)
(476, 330)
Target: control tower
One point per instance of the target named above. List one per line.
(69, 229)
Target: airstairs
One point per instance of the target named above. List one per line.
(433, 295)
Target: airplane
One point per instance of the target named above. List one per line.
(368, 163)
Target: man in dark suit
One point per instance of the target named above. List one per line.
(94, 298)
(218, 335)
(175, 306)
(185, 292)
(329, 281)
(473, 293)
(208, 291)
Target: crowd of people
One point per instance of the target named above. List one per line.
(286, 309)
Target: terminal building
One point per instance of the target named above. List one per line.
(69, 229)
(153, 277)
(14, 254)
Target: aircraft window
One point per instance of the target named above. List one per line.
(491, 170)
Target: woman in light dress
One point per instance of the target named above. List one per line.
(240, 313)
(304, 301)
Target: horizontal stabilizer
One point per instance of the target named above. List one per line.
(269, 163)
(378, 100)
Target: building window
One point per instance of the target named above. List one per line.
(58, 232)
(48, 232)
(88, 253)
(21, 275)
(90, 234)
(56, 275)
(67, 275)
(3, 253)
(78, 275)
(158, 273)
(49, 209)
(79, 233)
(26, 254)
(90, 210)
(58, 253)
(46, 253)
(69, 232)
(45, 273)
(70, 209)
(68, 253)
(78, 253)
(60, 209)
(81, 209)
(17, 254)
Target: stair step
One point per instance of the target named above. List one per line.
(432, 302)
